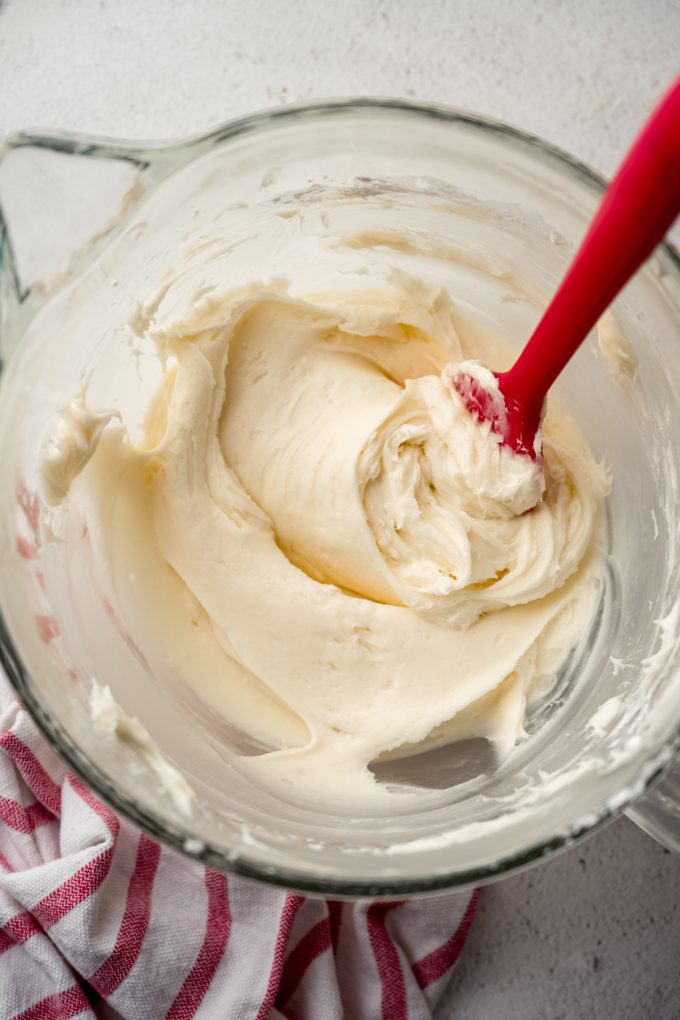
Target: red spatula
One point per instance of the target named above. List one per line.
(637, 209)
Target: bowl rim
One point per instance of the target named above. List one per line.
(169, 833)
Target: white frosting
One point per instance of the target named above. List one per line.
(601, 720)
(114, 724)
(70, 446)
(315, 535)
(617, 350)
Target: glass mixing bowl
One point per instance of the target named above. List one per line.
(87, 230)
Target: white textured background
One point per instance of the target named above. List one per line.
(594, 934)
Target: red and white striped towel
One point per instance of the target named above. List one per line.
(98, 920)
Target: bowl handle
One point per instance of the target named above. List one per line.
(658, 812)
(62, 200)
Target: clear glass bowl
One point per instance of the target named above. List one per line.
(86, 231)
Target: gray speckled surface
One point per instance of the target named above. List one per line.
(596, 932)
(592, 935)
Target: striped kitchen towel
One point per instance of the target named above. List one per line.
(98, 920)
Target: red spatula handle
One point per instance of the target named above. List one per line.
(637, 209)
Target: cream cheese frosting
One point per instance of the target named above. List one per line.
(315, 538)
